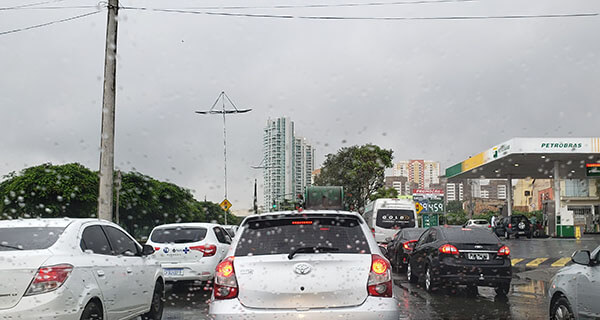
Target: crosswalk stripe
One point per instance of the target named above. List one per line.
(515, 261)
(561, 262)
(536, 262)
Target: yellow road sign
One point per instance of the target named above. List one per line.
(225, 204)
(419, 207)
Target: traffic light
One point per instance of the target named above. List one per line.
(274, 204)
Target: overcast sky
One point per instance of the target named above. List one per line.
(433, 89)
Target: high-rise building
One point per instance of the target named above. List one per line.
(288, 162)
(422, 173)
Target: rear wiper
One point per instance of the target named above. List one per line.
(10, 247)
(311, 250)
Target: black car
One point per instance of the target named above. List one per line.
(517, 225)
(452, 255)
(401, 246)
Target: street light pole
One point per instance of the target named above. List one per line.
(107, 135)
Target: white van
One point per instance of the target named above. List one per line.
(386, 216)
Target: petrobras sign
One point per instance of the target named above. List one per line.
(432, 194)
(557, 145)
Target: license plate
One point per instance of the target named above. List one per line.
(521, 232)
(478, 256)
(173, 272)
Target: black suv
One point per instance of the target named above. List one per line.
(517, 225)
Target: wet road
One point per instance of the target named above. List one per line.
(526, 300)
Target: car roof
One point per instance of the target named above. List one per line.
(187, 224)
(278, 214)
(46, 222)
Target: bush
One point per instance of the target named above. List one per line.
(455, 218)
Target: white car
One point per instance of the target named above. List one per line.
(478, 223)
(76, 269)
(189, 251)
(309, 265)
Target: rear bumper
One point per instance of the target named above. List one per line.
(59, 305)
(373, 308)
(480, 275)
(203, 270)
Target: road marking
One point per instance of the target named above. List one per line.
(536, 262)
(515, 261)
(561, 262)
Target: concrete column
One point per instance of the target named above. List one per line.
(556, 177)
(509, 194)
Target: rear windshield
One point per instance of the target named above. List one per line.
(284, 235)
(28, 238)
(470, 235)
(412, 234)
(178, 235)
(480, 222)
(395, 218)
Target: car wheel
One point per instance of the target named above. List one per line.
(429, 282)
(503, 289)
(156, 309)
(92, 311)
(561, 310)
(506, 235)
(409, 274)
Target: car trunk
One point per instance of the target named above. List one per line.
(174, 253)
(17, 269)
(476, 253)
(304, 282)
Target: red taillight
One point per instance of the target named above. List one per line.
(407, 244)
(448, 249)
(489, 225)
(209, 250)
(373, 231)
(226, 286)
(156, 248)
(49, 279)
(510, 225)
(504, 251)
(380, 277)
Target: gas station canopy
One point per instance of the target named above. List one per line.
(520, 158)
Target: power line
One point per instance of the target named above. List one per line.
(278, 16)
(48, 23)
(53, 7)
(22, 6)
(326, 5)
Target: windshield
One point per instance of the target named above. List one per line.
(470, 235)
(283, 236)
(395, 218)
(28, 238)
(152, 114)
(178, 235)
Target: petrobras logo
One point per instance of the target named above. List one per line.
(561, 145)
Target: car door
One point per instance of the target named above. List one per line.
(103, 265)
(223, 242)
(134, 287)
(418, 256)
(588, 289)
(500, 227)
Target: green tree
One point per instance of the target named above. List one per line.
(359, 169)
(454, 206)
(384, 192)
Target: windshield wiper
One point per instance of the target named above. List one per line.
(10, 247)
(311, 250)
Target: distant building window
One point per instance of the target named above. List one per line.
(576, 188)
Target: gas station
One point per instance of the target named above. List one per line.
(564, 160)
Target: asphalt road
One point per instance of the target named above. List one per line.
(526, 300)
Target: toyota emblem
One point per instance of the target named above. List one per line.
(302, 268)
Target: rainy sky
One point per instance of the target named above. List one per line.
(427, 88)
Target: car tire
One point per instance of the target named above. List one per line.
(561, 310)
(503, 290)
(430, 284)
(92, 311)
(156, 309)
(506, 235)
(409, 274)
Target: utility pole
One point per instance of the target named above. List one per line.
(107, 136)
(255, 200)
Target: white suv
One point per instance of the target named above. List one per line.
(76, 269)
(313, 265)
(189, 251)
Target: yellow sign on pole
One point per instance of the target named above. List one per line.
(419, 207)
(577, 232)
(225, 204)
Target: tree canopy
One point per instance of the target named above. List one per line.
(359, 169)
(71, 190)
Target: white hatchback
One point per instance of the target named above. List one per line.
(189, 251)
(312, 265)
(76, 269)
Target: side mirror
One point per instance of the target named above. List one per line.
(147, 250)
(581, 257)
(383, 250)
